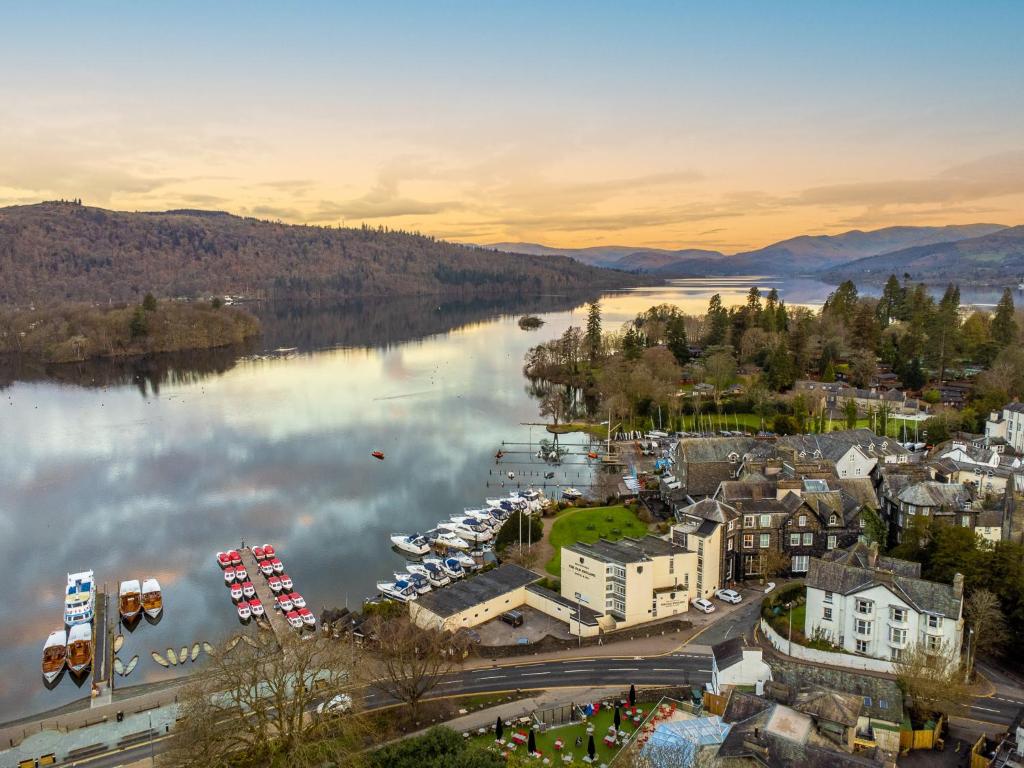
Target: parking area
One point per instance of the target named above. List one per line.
(535, 626)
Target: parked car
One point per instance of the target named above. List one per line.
(703, 605)
(338, 705)
(729, 596)
(512, 618)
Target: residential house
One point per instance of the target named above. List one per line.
(879, 606)
(1007, 426)
(947, 503)
(733, 663)
(703, 522)
(855, 452)
(703, 463)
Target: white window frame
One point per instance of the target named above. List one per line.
(764, 541)
(832, 541)
(794, 539)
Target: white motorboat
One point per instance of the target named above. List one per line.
(284, 602)
(307, 617)
(79, 598)
(449, 565)
(450, 539)
(294, 619)
(571, 494)
(79, 651)
(241, 574)
(55, 653)
(129, 599)
(467, 562)
(479, 517)
(236, 591)
(414, 544)
(277, 565)
(257, 609)
(435, 573)
(244, 612)
(248, 589)
(419, 582)
(275, 584)
(401, 590)
(468, 529)
(229, 574)
(266, 568)
(298, 600)
(152, 598)
(286, 582)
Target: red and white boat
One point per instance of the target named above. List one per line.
(266, 568)
(236, 591)
(286, 581)
(229, 575)
(244, 613)
(258, 553)
(223, 559)
(248, 589)
(275, 584)
(277, 565)
(294, 619)
(297, 600)
(284, 602)
(256, 606)
(307, 617)
(241, 574)
(236, 559)
(268, 550)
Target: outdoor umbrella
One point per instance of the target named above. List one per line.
(499, 730)
(531, 745)
(591, 749)
(632, 695)
(618, 717)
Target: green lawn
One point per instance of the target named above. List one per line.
(568, 734)
(589, 525)
(752, 423)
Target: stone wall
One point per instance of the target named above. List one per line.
(549, 643)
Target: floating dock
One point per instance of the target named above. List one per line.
(278, 623)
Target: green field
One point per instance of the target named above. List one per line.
(750, 422)
(589, 525)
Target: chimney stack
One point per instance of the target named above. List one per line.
(958, 586)
(872, 554)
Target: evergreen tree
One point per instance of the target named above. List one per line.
(593, 334)
(850, 413)
(780, 371)
(149, 302)
(912, 374)
(890, 305)
(829, 374)
(676, 341)
(1004, 325)
(841, 303)
(632, 343)
(717, 322)
(770, 315)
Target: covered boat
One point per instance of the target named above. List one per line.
(79, 598)
(277, 565)
(152, 598)
(229, 575)
(236, 559)
(378, 455)
(275, 584)
(284, 602)
(55, 651)
(79, 655)
(248, 589)
(244, 613)
(240, 573)
(268, 550)
(258, 553)
(418, 580)
(236, 591)
(401, 591)
(256, 607)
(298, 600)
(286, 581)
(307, 617)
(294, 619)
(434, 573)
(129, 599)
(223, 559)
(266, 568)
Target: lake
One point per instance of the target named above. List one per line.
(148, 469)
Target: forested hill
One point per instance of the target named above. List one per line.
(62, 251)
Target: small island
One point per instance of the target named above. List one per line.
(70, 333)
(530, 322)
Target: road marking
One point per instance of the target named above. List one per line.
(577, 670)
(492, 677)
(451, 682)
(624, 669)
(985, 709)
(664, 669)
(703, 670)
(534, 674)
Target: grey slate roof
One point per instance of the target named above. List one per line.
(626, 550)
(835, 707)
(728, 652)
(702, 450)
(931, 493)
(835, 445)
(486, 586)
(709, 509)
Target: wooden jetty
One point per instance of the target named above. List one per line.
(278, 623)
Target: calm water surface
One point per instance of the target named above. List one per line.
(149, 470)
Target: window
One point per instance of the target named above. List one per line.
(828, 597)
(862, 627)
(897, 636)
(729, 544)
(808, 539)
(752, 565)
(800, 564)
(832, 542)
(933, 643)
(749, 521)
(671, 565)
(863, 522)
(867, 701)
(748, 540)
(934, 622)
(802, 521)
(895, 654)
(826, 614)
(766, 541)
(794, 539)
(864, 606)
(766, 521)
(732, 525)
(882, 703)
(965, 521)
(898, 614)
(833, 520)
(862, 646)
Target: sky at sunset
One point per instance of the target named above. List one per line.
(680, 124)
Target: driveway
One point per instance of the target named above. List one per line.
(534, 627)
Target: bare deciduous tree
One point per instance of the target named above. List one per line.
(259, 698)
(933, 679)
(985, 618)
(412, 659)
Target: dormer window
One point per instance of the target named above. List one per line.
(833, 520)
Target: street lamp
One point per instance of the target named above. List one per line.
(579, 617)
(789, 608)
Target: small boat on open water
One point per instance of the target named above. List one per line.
(79, 650)
(129, 600)
(79, 598)
(152, 598)
(414, 544)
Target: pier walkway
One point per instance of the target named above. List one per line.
(278, 623)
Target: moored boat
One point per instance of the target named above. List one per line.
(433, 573)
(152, 598)
(268, 550)
(450, 566)
(129, 599)
(236, 558)
(401, 591)
(241, 574)
(284, 602)
(229, 575)
(414, 544)
(243, 611)
(294, 619)
(286, 581)
(223, 559)
(236, 591)
(258, 553)
(277, 565)
(255, 606)
(79, 598)
(307, 617)
(55, 652)
(298, 600)
(419, 581)
(266, 568)
(572, 494)
(248, 590)
(275, 584)
(79, 650)
(451, 540)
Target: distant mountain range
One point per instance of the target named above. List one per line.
(856, 253)
(62, 251)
